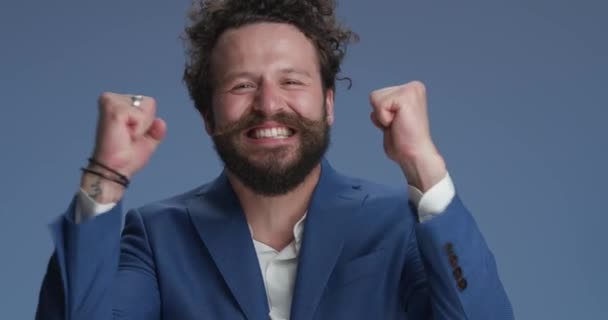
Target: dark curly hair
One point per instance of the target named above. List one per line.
(210, 18)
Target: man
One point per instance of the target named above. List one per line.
(279, 234)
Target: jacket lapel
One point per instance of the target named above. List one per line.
(333, 202)
(218, 217)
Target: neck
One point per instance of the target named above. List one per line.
(273, 218)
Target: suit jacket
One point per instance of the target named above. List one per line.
(363, 256)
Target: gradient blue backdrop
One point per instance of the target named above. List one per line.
(518, 103)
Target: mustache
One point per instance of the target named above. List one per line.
(255, 119)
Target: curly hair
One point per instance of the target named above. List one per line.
(210, 18)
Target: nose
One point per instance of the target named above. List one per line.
(268, 100)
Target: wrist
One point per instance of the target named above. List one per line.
(424, 170)
(101, 189)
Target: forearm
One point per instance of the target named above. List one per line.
(461, 267)
(82, 268)
(424, 170)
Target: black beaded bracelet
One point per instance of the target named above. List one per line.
(121, 182)
(121, 176)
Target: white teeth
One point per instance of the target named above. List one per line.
(278, 133)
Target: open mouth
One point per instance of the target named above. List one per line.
(270, 133)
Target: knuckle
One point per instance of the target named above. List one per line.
(418, 86)
(152, 103)
(106, 108)
(151, 100)
(372, 96)
(404, 90)
(377, 102)
(105, 98)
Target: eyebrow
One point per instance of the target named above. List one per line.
(238, 74)
(296, 71)
(246, 74)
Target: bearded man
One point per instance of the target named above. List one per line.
(279, 234)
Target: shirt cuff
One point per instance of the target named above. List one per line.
(87, 208)
(435, 200)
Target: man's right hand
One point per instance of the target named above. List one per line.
(126, 138)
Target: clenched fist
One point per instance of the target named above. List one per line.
(401, 112)
(127, 135)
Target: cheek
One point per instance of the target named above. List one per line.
(308, 106)
(228, 109)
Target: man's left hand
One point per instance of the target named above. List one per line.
(401, 112)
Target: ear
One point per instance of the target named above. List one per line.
(207, 118)
(329, 105)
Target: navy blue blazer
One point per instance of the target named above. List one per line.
(363, 256)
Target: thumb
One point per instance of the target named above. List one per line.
(157, 131)
(375, 121)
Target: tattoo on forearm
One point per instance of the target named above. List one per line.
(95, 189)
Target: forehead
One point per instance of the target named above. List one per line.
(263, 47)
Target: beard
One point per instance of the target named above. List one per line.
(278, 170)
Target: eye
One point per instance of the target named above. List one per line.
(242, 86)
(291, 82)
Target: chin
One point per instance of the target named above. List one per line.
(278, 160)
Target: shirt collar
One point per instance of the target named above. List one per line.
(298, 232)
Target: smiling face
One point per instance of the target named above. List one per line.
(271, 116)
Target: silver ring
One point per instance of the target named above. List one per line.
(136, 100)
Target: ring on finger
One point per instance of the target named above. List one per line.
(136, 100)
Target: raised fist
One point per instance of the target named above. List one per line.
(401, 113)
(128, 132)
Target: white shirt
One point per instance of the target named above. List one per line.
(279, 267)
(279, 271)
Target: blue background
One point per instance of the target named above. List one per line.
(518, 104)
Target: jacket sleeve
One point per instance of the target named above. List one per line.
(95, 273)
(450, 272)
